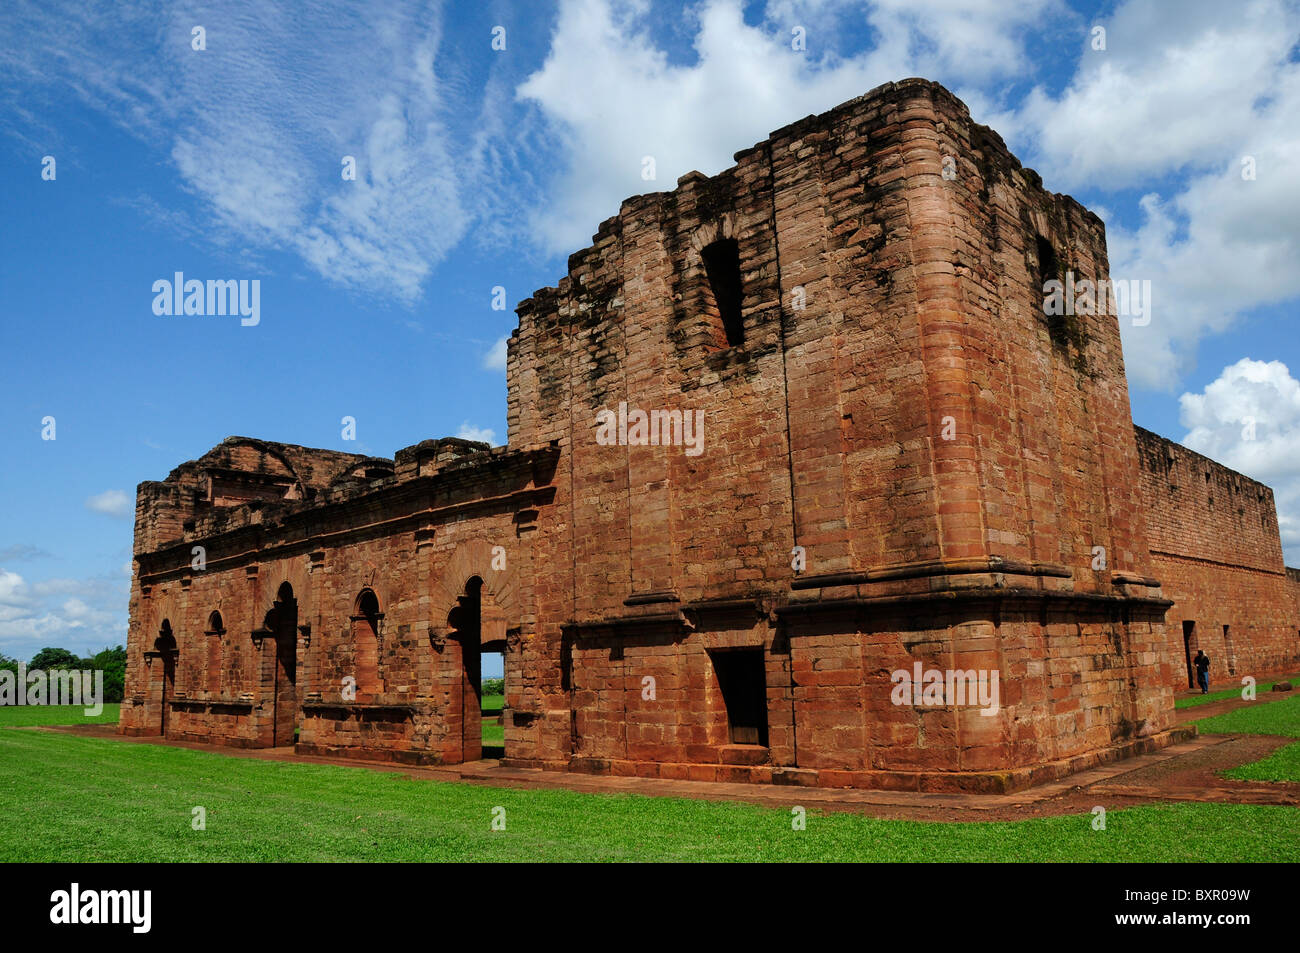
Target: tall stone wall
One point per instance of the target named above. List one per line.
(1218, 553)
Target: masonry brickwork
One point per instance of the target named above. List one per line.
(894, 459)
(1218, 554)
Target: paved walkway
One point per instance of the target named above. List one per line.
(1183, 715)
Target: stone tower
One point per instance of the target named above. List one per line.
(856, 308)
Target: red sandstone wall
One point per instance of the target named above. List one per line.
(917, 299)
(1218, 554)
(415, 539)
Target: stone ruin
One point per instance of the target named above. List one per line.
(802, 485)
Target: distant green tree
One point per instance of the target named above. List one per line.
(494, 686)
(50, 659)
(8, 664)
(113, 664)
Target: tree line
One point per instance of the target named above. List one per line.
(112, 662)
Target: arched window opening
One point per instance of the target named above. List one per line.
(368, 608)
(282, 623)
(1049, 266)
(212, 672)
(722, 268)
(367, 619)
(166, 640)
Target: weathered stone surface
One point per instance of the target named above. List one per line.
(904, 461)
(1216, 549)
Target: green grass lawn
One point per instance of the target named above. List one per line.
(493, 733)
(1264, 718)
(70, 798)
(20, 716)
(17, 716)
(1261, 690)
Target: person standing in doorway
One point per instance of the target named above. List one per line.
(1202, 663)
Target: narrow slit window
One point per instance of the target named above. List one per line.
(1049, 265)
(722, 267)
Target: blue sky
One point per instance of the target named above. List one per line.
(481, 167)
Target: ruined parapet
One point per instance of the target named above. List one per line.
(235, 472)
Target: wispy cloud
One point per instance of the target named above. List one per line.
(257, 125)
(21, 552)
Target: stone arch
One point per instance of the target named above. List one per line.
(474, 557)
(298, 489)
(724, 226)
(165, 641)
(292, 572)
(367, 602)
(215, 634)
(471, 605)
(367, 630)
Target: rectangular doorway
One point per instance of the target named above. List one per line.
(1189, 643)
(742, 679)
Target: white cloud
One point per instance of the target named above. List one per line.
(1178, 86)
(495, 359)
(13, 590)
(976, 40)
(82, 615)
(469, 432)
(1220, 422)
(1188, 90)
(257, 124)
(111, 503)
(746, 82)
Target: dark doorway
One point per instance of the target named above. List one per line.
(743, 682)
(282, 621)
(1229, 656)
(165, 646)
(466, 620)
(1189, 645)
